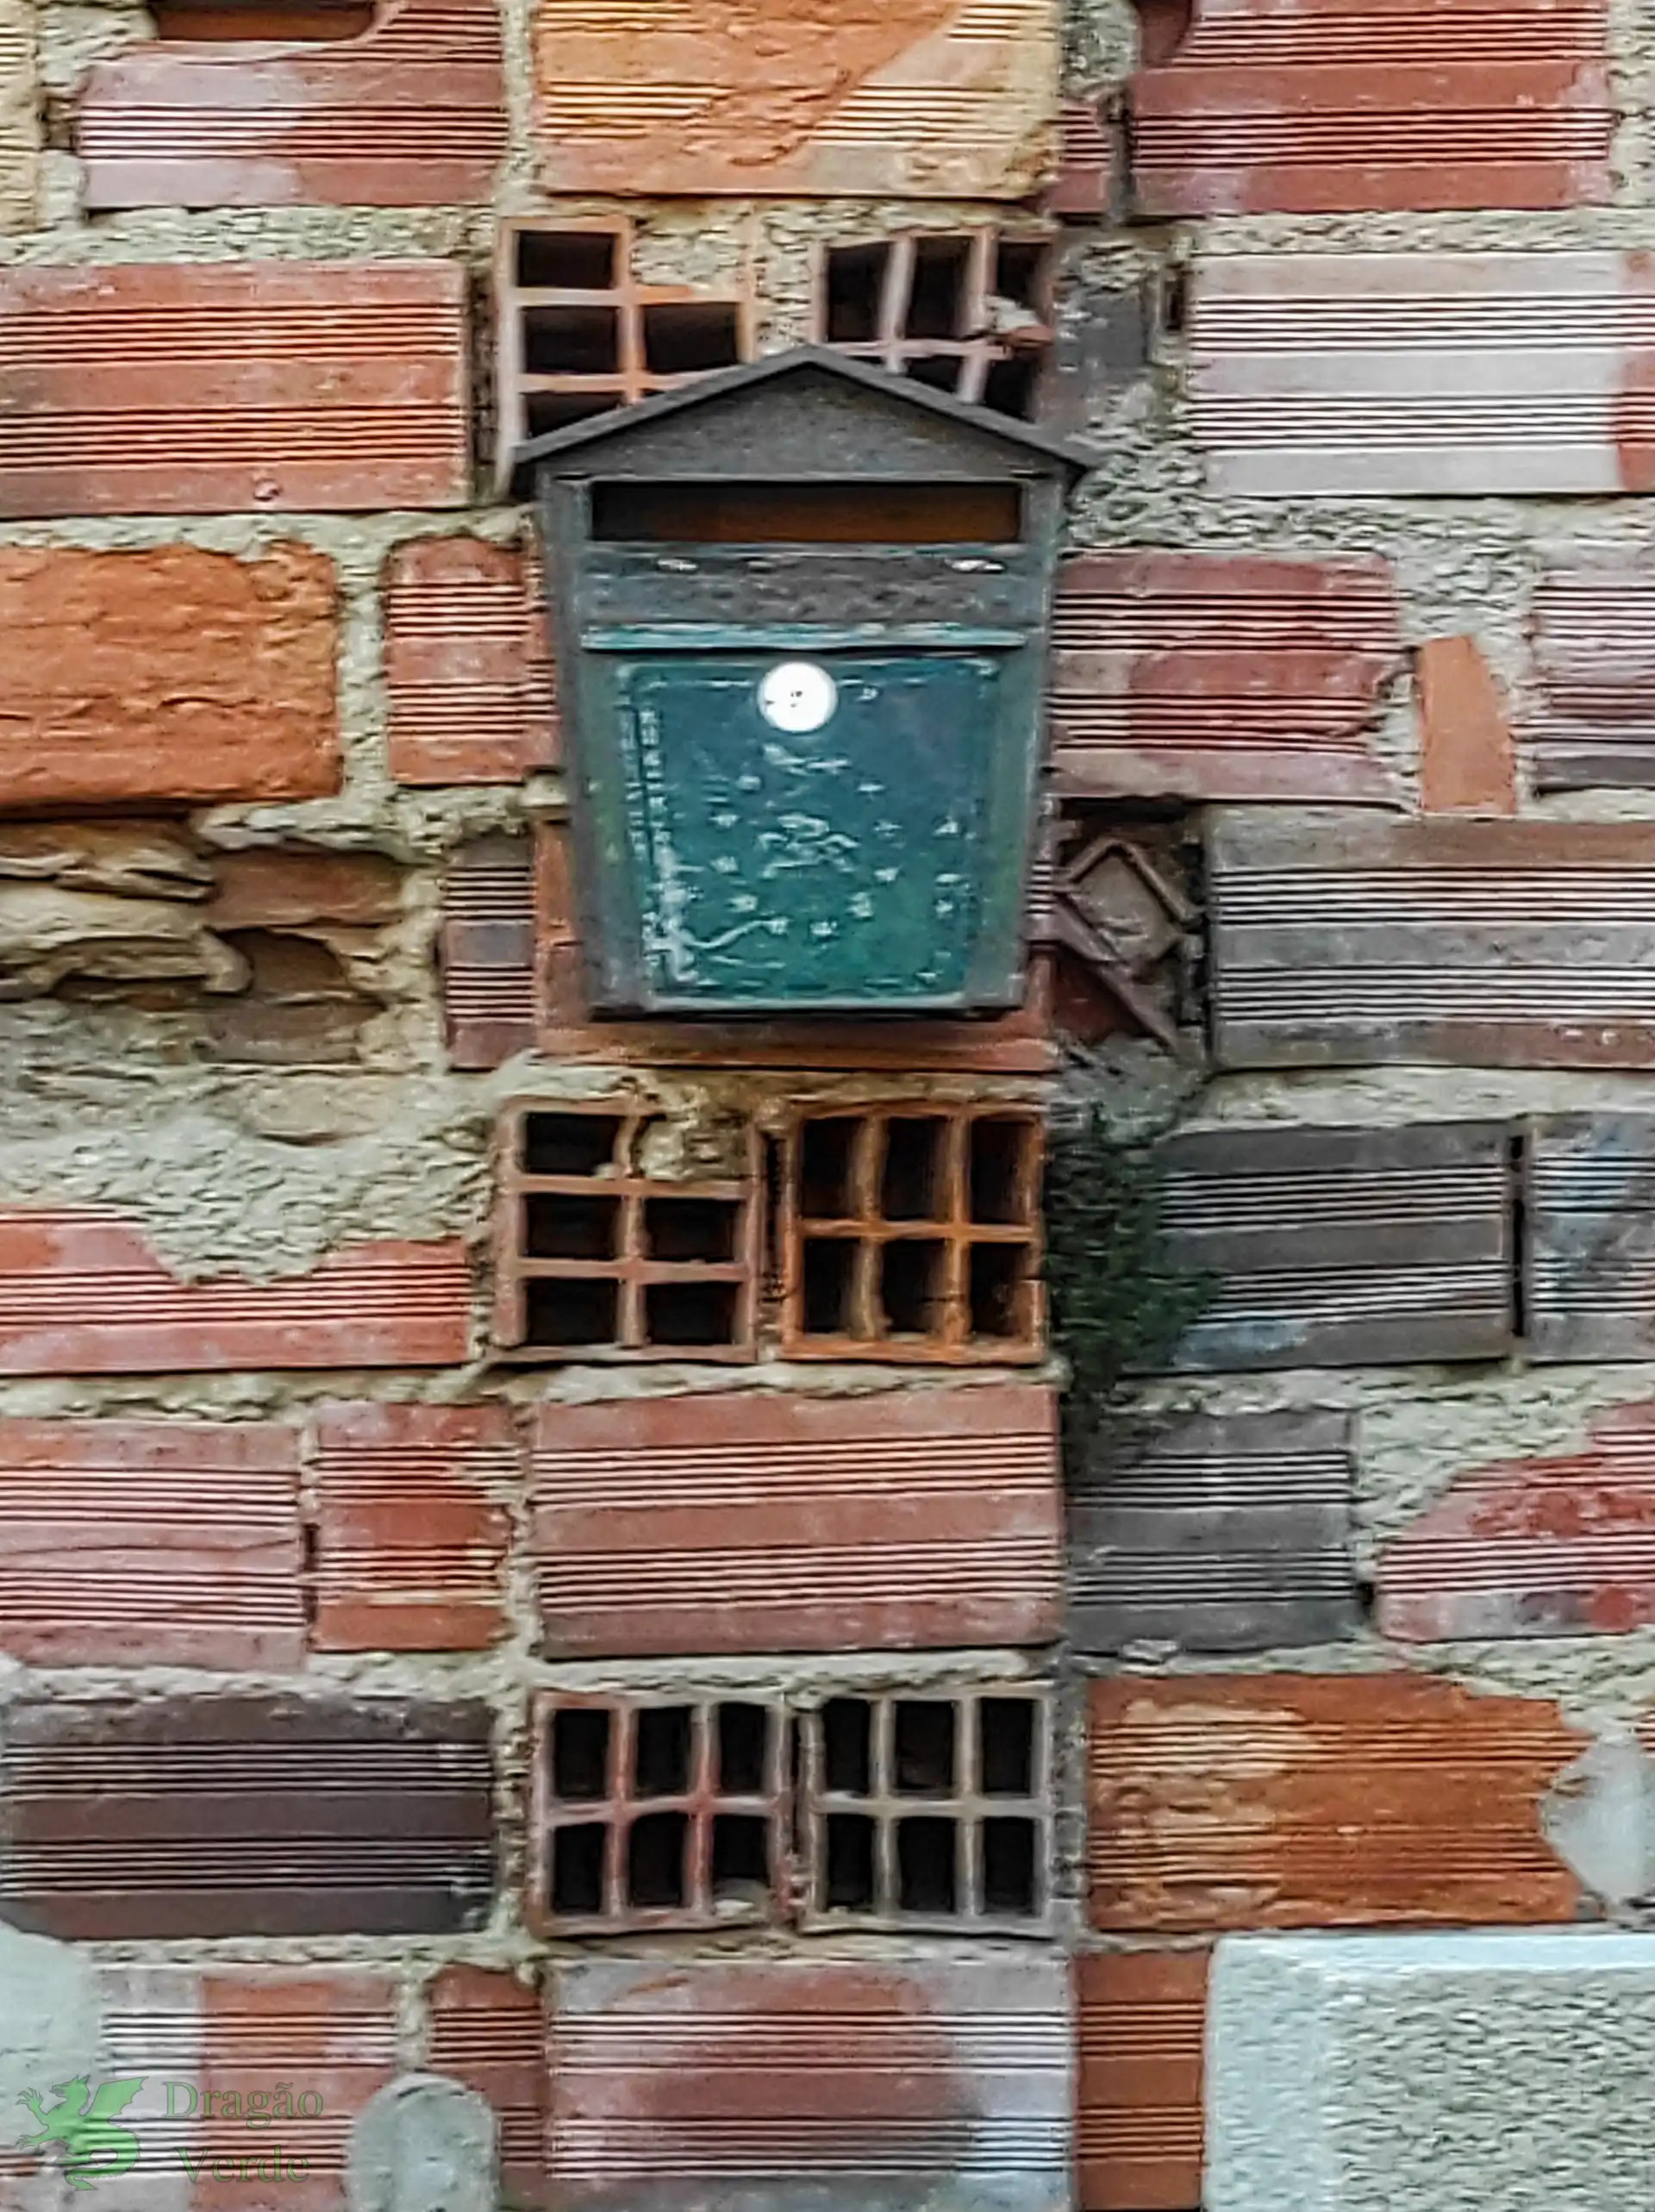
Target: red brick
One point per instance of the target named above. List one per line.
(1141, 2020)
(488, 2030)
(81, 1293)
(161, 1543)
(294, 886)
(1219, 675)
(169, 673)
(411, 114)
(1086, 163)
(1592, 720)
(1297, 1801)
(1559, 1544)
(468, 665)
(1321, 106)
(757, 1520)
(410, 1542)
(955, 2074)
(209, 387)
(914, 99)
(1468, 763)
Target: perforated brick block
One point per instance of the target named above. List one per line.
(82, 1293)
(157, 1543)
(411, 113)
(468, 665)
(768, 1521)
(168, 673)
(244, 386)
(412, 1526)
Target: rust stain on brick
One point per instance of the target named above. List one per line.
(1328, 107)
(488, 2030)
(410, 1543)
(1293, 1801)
(244, 1815)
(1215, 675)
(950, 99)
(1141, 2020)
(213, 387)
(171, 673)
(410, 114)
(149, 1543)
(1559, 1544)
(1468, 762)
(834, 2073)
(81, 1293)
(468, 665)
(758, 1521)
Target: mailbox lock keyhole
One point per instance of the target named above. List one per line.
(798, 696)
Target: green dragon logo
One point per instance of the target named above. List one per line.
(94, 2149)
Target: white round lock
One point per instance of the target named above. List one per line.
(798, 696)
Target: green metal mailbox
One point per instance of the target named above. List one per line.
(800, 611)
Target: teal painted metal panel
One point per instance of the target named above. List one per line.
(839, 866)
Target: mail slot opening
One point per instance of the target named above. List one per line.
(688, 512)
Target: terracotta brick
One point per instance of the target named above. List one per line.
(411, 1545)
(1297, 1801)
(944, 99)
(1592, 720)
(1222, 676)
(488, 2030)
(1468, 763)
(161, 1543)
(267, 385)
(1556, 1545)
(246, 2033)
(1086, 163)
(757, 1521)
(81, 1293)
(955, 2075)
(126, 1818)
(169, 673)
(293, 886)
(19, 129)
(1142, 2019)
(410, 114)
(468, 665)
(1329, 107)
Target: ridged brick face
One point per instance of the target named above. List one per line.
(1140, 2018)
(19, 118)
(327, 385)
(1329, 107)
(488, 2030)
(468, 665)
(1299, 1801)
(928, 98)
(410, 114)
(1591, 719)
(167, 674)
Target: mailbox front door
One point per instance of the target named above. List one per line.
(814, 831)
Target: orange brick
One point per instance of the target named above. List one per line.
(1295, 1800)
(468, 665)
(410, 1546)
(488, 2030)
(203, 388)
(1468, 761)
(149, 1543)
(82, 1293)
(169, 673)
(1142, 2019)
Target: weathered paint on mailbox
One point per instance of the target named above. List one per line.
(802, 606)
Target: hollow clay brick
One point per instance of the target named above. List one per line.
(1300, 1800)
(1141, 2016)
(410, 114)
(468, 665)
(161, 1543)
(1468, 763)
(82, 1293)
(220, 387)
(294, 887)
(410, 1543)
(950, 99)
(169, 673)
(487, 2029)
(20, 133)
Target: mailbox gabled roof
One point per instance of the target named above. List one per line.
(720, 384)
